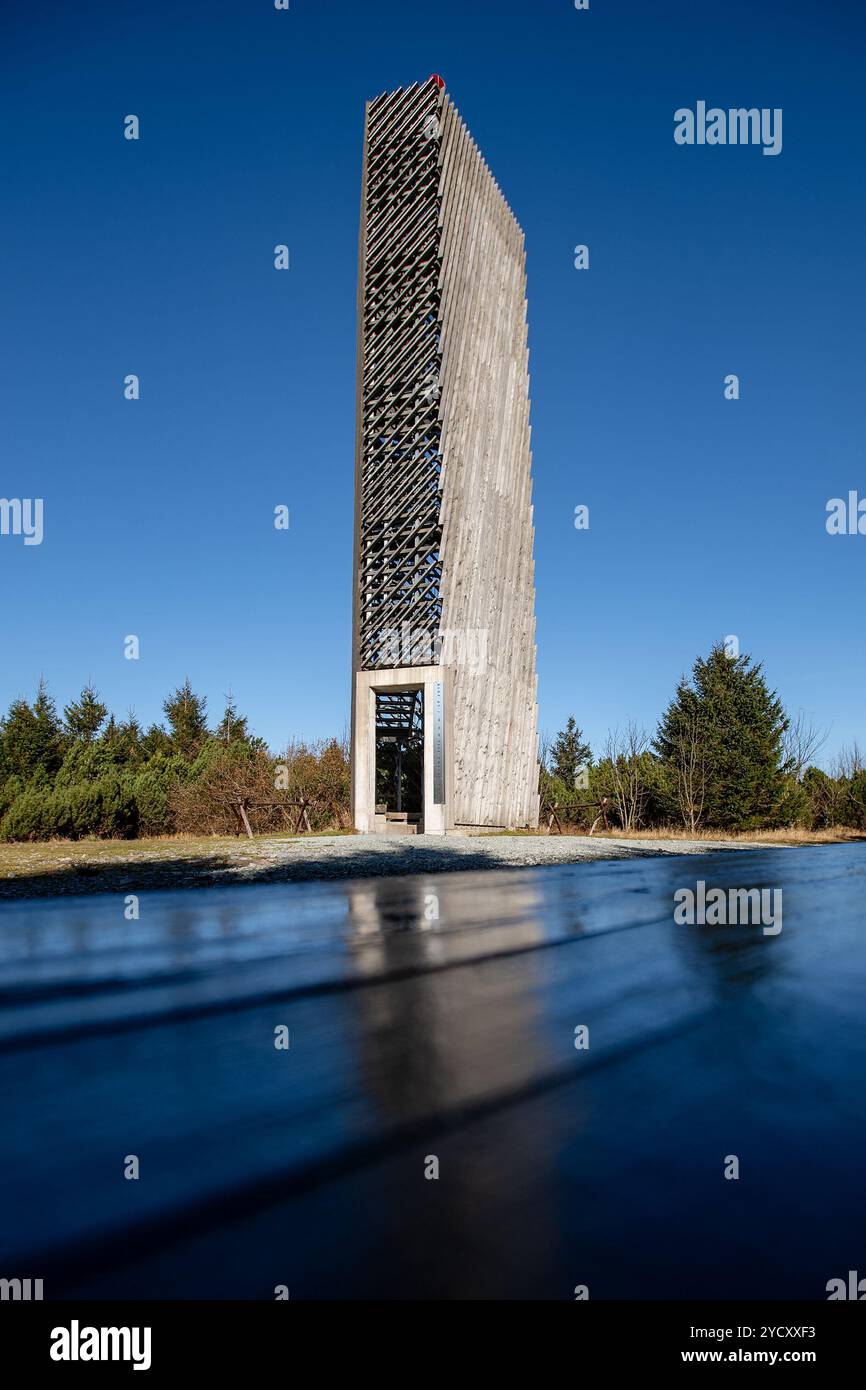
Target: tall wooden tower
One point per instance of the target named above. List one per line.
(444, 684)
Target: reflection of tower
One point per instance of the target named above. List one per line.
(456, 1027)
(444, 587)
(452, 1042)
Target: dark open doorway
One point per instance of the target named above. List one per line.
(400, 759)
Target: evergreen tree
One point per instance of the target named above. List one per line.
(187, 720)
(31, 738)
(156, 742)
(129, 733)
(121, 740)
(84, 716)
(569, 753)
(232, 727)
(732, 727)
(110, 733)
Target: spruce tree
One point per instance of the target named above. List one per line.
(233, 726)
(187, 720)
(31, 738)
(734, 727)
(569, 753)
(129, 733)
(121, 740)
(156, 743)
(84, 716)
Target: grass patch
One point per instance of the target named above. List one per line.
(90, 856)
(792, 835)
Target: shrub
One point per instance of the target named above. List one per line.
(30, 817)
(855, 801)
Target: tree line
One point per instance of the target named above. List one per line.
(725, 756)
(86, 773)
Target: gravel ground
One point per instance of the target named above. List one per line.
(362, 855)
(182, 865)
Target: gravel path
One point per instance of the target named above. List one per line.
(361, 855)
(183, 865)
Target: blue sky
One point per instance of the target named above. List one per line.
(156, 257)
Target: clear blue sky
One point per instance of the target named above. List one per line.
(156, 257)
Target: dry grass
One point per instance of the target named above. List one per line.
(792, 835)
(82, 856)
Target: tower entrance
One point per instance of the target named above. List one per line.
(399, 761)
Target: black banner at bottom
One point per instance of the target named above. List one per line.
(160, 1338)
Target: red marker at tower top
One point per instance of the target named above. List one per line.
(434, 77)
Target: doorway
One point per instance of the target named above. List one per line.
(400, 761)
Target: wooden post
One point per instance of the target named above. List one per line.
(242, 809)
(602, 815)
(552, 806)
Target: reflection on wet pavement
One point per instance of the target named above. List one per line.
(435, 1016)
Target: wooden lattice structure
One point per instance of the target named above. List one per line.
(400, 565)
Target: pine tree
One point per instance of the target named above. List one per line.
(85, 715)
(569, 753)
(727, 724)
(187, 720)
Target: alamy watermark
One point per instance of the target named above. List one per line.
(736, 907)
(852, 1288)
(21, 1290)
(736, 126)
(846, 517)
(77, 1343)
(408, 646)
(22, 516)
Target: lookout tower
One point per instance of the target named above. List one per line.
(444, 685)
